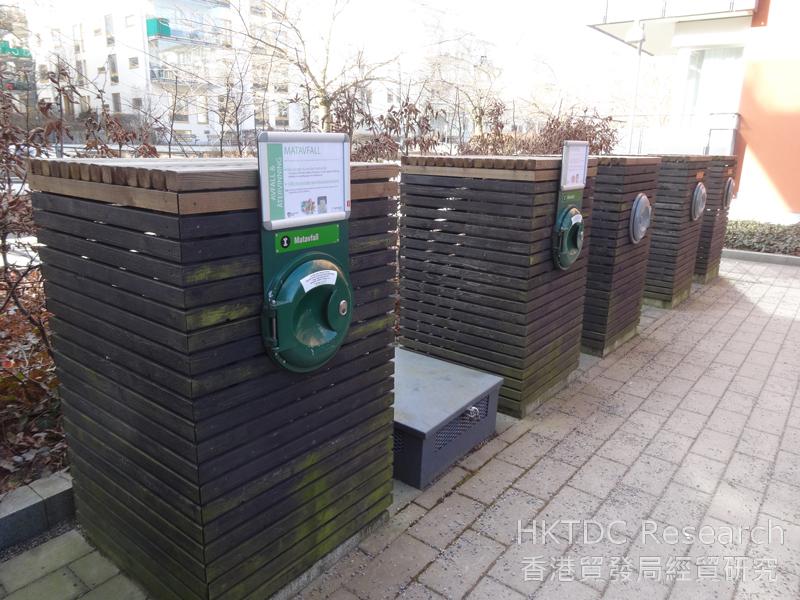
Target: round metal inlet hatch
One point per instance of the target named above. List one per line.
(568, 237)
(641, 213)
(727, 194)
(699, 201)
(310, 314)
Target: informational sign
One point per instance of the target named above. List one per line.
(574, 165)
(304, 178)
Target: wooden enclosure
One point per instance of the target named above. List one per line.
(617, 266)
(200, 467)
(715, 218)
(673, 246)
(478, 285)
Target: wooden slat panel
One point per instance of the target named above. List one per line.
(165, 380)
(478, 252)
(113, 194)
(310, 485)
(503, 174)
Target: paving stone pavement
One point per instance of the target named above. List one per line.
(64, 568)
(696, 422)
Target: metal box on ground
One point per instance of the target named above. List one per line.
(719, 184)
(677, 217)
(202, 468)
(478, 283)
(441, 411)
(618, 250)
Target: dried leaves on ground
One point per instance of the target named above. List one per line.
(31, 437)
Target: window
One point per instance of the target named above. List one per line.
(69, 108)
(182, 110)
(281, 78)
(112, 68)
(80, 67)
(282, 120)
(714, 81)
(116, 102)
(136, 103)
(98, 32)
(202, 110)
(130, 20)
(101, 70)
(42, 72)
(223, 105)
(77, 37)
(85, 103)
(184, 135)
(224, 26)
(109, 19)
(133, 62)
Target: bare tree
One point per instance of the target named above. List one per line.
(234, 107)
(321, 82)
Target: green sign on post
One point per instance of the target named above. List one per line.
(307, 238)
(305, 204)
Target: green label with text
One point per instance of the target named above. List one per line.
(306, 238)
(277, 209)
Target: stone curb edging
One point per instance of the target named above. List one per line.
(32, 509)
(764, 257)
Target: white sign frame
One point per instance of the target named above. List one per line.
(270, 137)
(574, 165)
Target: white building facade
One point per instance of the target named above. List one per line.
(200, 68)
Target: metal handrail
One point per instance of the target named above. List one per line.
(665, 6)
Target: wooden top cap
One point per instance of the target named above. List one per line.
(181, 186)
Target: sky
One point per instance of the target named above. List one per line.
(536, 43)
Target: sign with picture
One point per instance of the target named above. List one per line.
(304, 178)
(574, 165)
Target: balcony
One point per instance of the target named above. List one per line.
(163, 74)
(668, 25)
(184, 75)
(187, 33)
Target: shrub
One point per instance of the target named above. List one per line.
(763, 237)
(599, 131)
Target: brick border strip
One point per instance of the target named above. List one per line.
(32, 509)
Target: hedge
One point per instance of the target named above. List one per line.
(763, 237)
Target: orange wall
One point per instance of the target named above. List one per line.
(768, 144)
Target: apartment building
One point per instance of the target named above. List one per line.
(16, 61)
(197, 67)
